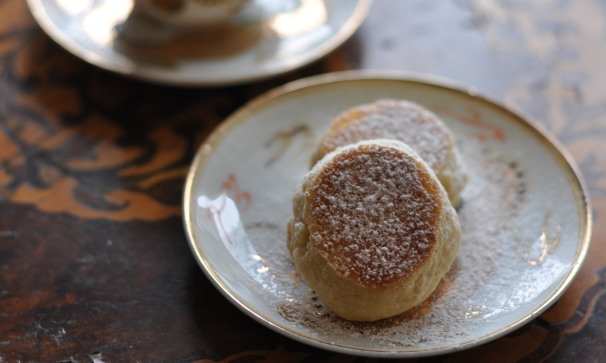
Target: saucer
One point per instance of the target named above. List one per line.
(263, 42)
(525, 218)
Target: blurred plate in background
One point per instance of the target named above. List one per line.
(261, 43)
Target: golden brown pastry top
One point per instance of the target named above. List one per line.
(392, 119)
(373, 213)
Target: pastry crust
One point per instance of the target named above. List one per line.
(405, 121)
(373, 231)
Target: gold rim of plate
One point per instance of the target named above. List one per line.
(47, 24)
(294, 89)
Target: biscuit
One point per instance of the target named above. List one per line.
(405, 121)
(373, 230)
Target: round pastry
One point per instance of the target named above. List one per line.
(405, 121)
(373, 231)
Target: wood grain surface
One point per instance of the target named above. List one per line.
(94, 263)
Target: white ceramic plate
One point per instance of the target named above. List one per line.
(279, 42)
(525, 219)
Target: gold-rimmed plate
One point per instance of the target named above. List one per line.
(276, 38)
(525, 218)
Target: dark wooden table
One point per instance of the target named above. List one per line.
(94, 263)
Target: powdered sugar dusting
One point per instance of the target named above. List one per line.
(479, 289)
(390, 119)
(495, 287)
(371, 215)
(491, 199)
